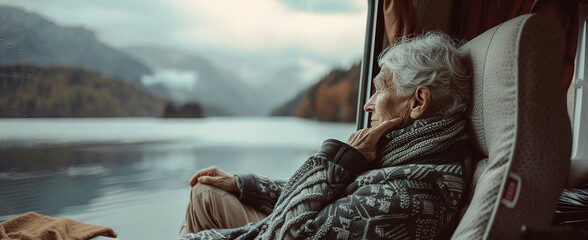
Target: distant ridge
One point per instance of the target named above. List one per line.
(29, 38)
(333, 98)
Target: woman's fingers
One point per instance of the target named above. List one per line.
(226, 183)
(210, 171)
(351, 137)
(377, 132)
(365, 140)
(214, 181)
(215, 177)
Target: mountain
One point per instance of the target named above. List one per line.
(29, 38)
(30, 91)
(280, 84)
(188, 77)
(333, 98)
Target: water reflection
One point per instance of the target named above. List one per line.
(142, 185)
(51, 179)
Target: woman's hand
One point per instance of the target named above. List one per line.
(366, 140)
(216, 177)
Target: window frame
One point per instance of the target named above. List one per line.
(580, 108)
(373, 45)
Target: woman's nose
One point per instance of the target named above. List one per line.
(369, 105)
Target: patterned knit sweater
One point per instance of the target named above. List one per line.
(412, 191)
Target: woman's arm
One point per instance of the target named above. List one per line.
(263, 193)
(319, 182)
(260, 192)
(322, 179)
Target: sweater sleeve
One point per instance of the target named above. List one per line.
(260, 192)
(320, 180)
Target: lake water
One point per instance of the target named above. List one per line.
(132, 174)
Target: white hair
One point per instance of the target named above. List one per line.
(432, 60)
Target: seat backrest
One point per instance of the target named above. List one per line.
(519, 127)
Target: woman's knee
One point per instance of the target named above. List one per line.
(212, 207)
(207, 194)
(199, 188)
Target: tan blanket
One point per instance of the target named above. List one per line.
(33, 226)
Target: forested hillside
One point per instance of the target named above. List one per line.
(30, 91)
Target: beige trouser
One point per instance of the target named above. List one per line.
(213, 208)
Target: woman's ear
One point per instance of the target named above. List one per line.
(419, 102)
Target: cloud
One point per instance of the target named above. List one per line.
(259, 26)
(325, 6)
(257, 34)
(173, 79)
(327, 27)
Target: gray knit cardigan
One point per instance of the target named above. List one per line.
(337, 195)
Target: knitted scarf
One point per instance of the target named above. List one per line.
(423, 137)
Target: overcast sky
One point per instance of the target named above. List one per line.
(315, 34)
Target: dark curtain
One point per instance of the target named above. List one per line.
(473, 17)
(400, 19)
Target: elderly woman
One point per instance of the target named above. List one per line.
(399, 179)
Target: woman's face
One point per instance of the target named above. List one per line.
(385, 104)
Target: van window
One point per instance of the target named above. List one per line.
(107, 108)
